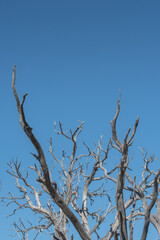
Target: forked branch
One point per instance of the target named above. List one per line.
(41, 158)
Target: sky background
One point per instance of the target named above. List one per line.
(72, 58)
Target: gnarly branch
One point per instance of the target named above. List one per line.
(132, 212)
(21, 229)
(123, 148)
(113, 124)
(150, 206)
(134, 131)
(89, 180)
(56, 198)
(102, 218)
(82, 179)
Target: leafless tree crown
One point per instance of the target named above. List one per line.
(65, 197)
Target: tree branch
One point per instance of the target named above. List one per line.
(56, 198)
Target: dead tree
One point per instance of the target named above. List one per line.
(83, 178)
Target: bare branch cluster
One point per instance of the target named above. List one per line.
(83, 180)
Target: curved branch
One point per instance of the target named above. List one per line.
(113, 124)
(134, 131)
(41, 158)
(148, 210)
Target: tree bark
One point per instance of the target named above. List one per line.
(41, 158)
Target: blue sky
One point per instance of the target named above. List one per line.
(72, 57)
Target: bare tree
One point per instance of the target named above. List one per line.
(83, 179)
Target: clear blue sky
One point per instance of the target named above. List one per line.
(72, 57)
